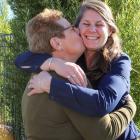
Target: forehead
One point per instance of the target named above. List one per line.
(92, 15)
(63, 22)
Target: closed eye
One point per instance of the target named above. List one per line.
(99, 24)
(86, 24)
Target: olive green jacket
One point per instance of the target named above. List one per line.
(45, 119)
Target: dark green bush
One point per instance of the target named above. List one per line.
(127, 16)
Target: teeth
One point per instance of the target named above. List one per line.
(91, 37)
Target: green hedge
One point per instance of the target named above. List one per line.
(127, 15)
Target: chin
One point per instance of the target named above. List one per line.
(91, 48)
(94, 48)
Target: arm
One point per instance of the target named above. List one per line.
(95, 102)
(108, 127)
(121, 118)
(35, 62)
(31, 62)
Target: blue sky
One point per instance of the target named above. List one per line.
(10, 14)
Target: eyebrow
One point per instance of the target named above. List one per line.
(97, 21)
(100, 21)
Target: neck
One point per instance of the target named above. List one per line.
(90, 57)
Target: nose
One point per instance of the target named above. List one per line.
(93, 28)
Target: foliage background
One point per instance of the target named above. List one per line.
(127, 15)
(4, 23)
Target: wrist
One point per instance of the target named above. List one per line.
(46, 66)
(49, 63)
(47, 87)
(53, 64)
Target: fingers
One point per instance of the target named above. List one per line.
(77, 76)
(74, 80)
(40, 83)
(33, 82)
(69, 70)
(35, 91)
(32, 92)
(83, 79)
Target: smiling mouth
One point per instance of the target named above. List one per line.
(92, 37)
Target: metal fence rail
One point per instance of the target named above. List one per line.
(10, 92)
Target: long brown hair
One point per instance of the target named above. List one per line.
(112, 48)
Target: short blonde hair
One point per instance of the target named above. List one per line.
(41, 28)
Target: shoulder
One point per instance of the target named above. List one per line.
(121, 65)
(122, 58)
(121, 61)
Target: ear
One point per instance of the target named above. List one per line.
(55, 43)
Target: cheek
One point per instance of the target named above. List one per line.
(81, 29)
(104, 32)
(81, 33)
(107, 30)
